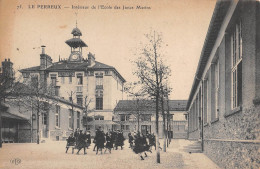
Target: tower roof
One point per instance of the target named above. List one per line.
(76, 42)
(76, 32)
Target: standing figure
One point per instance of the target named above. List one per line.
(70, 143)
(145, 145)
(95, 142)
(76, 135)
(100, 140)
(113, 138)
(81, 142)
(138, 145)
(88, 139)
(120, 140)
(130, 140)
(109, 144)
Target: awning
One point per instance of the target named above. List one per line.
(12, 116)
(102, 122)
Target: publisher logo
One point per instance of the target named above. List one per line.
(15, 161)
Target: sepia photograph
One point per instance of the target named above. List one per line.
(130, 84)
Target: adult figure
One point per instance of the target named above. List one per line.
(100, 140)
(81, 142)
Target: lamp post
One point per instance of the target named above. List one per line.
(33, 118)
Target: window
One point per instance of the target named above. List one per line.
(206, 101)
(71, 119)
(57, 90)
(99, 117)
(99, 80)
(99, 100)
(127, 127)
(53, 80)
(78, 119)
(124, 117)
(44, 119)
(34, 81)
(236, 69)
(99, 103)
(217, 89)
(146, 117)
(79, 79)
(79, 100)
(57, 116)
(70, 99)
(70, 79)
(122, 127)
(62, 80)
(107, 72)
(91, 73)
(79, 88)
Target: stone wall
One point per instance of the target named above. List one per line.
(243, 128)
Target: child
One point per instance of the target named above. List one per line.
(70, 143)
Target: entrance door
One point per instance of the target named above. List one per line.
(9, 131)
(145, 129)
(44, 125)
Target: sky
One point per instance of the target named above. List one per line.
(113, 35)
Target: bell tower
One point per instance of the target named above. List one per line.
(76, 44)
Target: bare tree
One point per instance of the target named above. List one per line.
(87, 110)
(151, 72)
(36, 95)
(135, 90)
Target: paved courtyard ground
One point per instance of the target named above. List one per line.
(52, 155)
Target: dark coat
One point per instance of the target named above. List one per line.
(88, 139)
(130, 138)
(71, 141)
(138, 147)
(100, 139)
(120, 139)
(81, 140)
(109, 143)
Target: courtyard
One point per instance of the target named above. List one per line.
(52, 155)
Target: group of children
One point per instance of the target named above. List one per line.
(139, 143)
(79, 140)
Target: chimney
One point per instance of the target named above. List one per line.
(46, 60)
(7, 68)
(91, 59)
(43, 49)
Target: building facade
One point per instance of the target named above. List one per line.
(95, 86)
(127, 113)
(223, 106)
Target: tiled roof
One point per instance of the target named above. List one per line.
(100, 65)
(35, 68)
(68, 66)
(82, 66)
(217, 19)
(148, 105)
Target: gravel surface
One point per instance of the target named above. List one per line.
(52, 155)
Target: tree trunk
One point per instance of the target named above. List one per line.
(138, 122)
(0, 130)
(157, 128)
(164, 130)
(38, 126)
